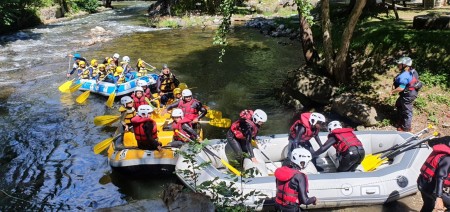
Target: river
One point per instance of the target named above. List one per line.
(46, 159)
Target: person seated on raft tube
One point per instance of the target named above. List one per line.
(77, 58)
(139, 98)
(305, 128)
(166, 83)
(434, 179)
(183, 126)
(83, 71)
(127, 112)
(349, 148)
(144, 85)
(292, 185)
(112, 61)
(119, 76)
(128, 71)
(93, 68)
(241, 134)
(101, 73)
(145, 129)
(192, 108)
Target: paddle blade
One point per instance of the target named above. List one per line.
(105, 120)
(75, 88)
(100, 147)
(214, 114)
(82, 98)
(110, 100)
(222, 123)
(65, 86)
(231, 168)
(371, 162)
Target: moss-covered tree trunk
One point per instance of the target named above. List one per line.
(326, 35)
(107, 3)
(309, 50)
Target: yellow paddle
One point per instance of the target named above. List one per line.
(371, 159)
(82, 98)
(222, 123)
(213, 114)
(75, 88)
(376, 162)
(207, 151)
(105, 120)
(110, 100)
(65, 86)
(105, 144)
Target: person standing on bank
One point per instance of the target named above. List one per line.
(434, 179)
(406, 84)
(348, 147)
(292, 185)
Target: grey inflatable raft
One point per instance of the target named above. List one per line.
(389, 182)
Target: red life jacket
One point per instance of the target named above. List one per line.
(177, 127)
(428, 169)
(304, 121)
(139, 132)
(345, 139)
(237, 131)
(147, 93)
(188, 111)
(286, 195)
(138, 101)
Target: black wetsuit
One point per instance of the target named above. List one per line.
(348, 160)
(434, 188)
(235, 147)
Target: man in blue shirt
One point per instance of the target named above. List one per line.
(404, 84)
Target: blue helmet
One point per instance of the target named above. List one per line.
(76, 56)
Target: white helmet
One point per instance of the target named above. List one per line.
(126, 59)
(151, 81)
(301, 157)
(259, 116)
(186, 92)
(315, 117)
(116, 55)
(125, 100)
(144, 110)
(141, 83)
(334, 125)
(138, 88)
(177, 112)
(405, 61)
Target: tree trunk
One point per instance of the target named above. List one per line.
(64, 7)
(107, 3)
(309, 51)
(340, 70)
(326, 34)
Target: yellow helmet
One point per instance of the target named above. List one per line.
(101, 66)
(81, 63)
(176, 91)
(110, 60)
(94, 62)
(140, 63)
(119, 71)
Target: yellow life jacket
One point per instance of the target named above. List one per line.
(95, 71)
(167, 83)
(102, 75)
(130, 113)
(85, 73)
(142, 72)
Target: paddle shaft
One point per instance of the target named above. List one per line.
(149, 65)
(408, 147)
(415, 136)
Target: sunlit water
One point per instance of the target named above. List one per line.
(46, 159)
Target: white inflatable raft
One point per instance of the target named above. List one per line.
(387, 183)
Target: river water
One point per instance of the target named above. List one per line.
(46, 159)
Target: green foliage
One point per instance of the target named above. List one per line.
(220, 38)
(430, 79)
(19, 14)
(187, 7)
(225, 196)
(304, 7)
(439, 99)
(420, 103)
(384, 123)
(168, 23)
(85, 5)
